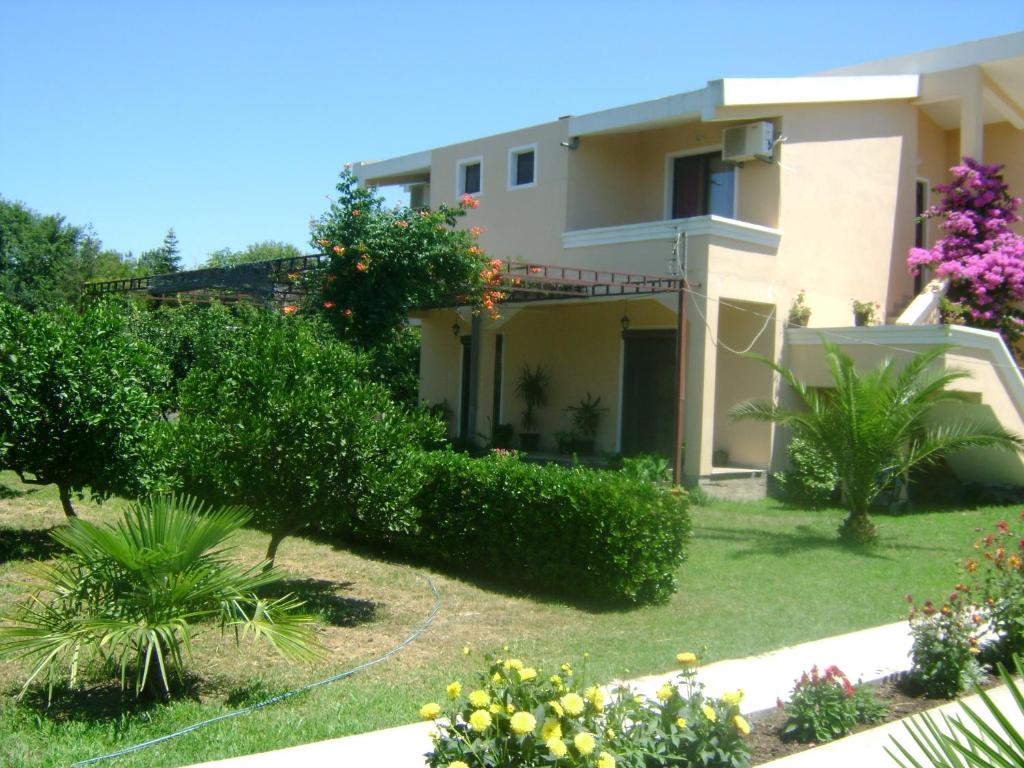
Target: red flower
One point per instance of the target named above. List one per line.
(289, 309)
(470, 202)
(347, 313)
(402, 223)
(356, 212)
(362, 266)
(329, 305)
(338, 249)
(1003, 526)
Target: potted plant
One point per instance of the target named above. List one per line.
(864, 312)
(532, 387)
(502, 436)
(565, 442)
(799, 312)
(585, 418)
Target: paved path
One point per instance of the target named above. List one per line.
(868, 655)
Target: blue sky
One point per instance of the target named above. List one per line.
(229, 121)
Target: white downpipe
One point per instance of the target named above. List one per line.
(923, 310)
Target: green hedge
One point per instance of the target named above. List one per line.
(582, 534)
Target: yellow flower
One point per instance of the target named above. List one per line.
(495, 708)
(567, 668)
(687, 659)
(638, 699)
(557, 708)
(741, 724)
(573, 704)
(681, 722)
(430, 711)
(523, 722)
(665, 692)
(605, 760)
(584, 742)
(465, 652)
(552, 729)
(496, 678)
(596, 697)
(709, 713)
(527, 673)
(457, 764)
(479, 698)
(513, 664)
(556, 681)
(609, 734)
(510, 708)
(556, 747)
(480, 720)
(454, 690)
(734, 698)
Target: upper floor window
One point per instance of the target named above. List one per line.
(470, 176)
(522, 166)
(701, 184)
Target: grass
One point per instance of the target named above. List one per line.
(759, 576)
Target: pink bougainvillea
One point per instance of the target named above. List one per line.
(979, 252)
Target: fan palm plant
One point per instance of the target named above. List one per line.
(132, 595)
(877, 425)
(981, 742)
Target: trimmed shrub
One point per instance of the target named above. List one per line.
(579, 533)
(812, 480)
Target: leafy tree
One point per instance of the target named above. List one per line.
(267, 250)
(131, 595)
(876, 426)
(112, 265)
(79, 397)
(43, 259)
(385, 262)
(395, 363)
(980, 253)
(162, 260)
(291, 425)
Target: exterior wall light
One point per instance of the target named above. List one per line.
(624, 322)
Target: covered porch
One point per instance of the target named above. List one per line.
(612, 336)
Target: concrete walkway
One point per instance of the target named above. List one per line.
(866, 655)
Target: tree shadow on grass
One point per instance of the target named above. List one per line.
(6, 492)
(325, 599)
(801, 539)
(26, 544)
(105, 702)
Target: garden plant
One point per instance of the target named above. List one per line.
(125, 600)
(825, 706)
(81, 394)
(876, 425)
(517, 716)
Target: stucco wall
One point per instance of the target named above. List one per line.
(522, 224)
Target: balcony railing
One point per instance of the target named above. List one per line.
(716, 226)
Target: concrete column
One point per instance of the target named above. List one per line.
(701, 360)
(972, 123)
(475, 352)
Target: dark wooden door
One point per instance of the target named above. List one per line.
(648, 392)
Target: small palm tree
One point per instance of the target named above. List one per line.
(131, 595)
(875, 425)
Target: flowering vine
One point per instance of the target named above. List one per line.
(385, 263)
(979, 253)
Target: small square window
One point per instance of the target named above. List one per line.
(470, 177)
(522, 170)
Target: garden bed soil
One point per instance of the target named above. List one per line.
(766, 744)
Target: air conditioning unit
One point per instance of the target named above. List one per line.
(748, 142)
(419, 194)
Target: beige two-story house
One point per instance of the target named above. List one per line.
(747, 191)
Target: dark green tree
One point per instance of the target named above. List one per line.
(162, 260)
(80, 396)
(267, 250)
(43, 259)
(291, 425)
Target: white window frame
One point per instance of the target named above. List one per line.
(460, 176)
(513, 154)
(669, 160)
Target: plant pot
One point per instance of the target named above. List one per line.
(799, 322)
(584, 446)
(861, 318)
(529, 441)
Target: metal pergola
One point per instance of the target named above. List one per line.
(282, 282)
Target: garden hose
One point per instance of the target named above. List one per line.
(287, 694)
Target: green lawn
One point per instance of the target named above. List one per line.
(759, 576)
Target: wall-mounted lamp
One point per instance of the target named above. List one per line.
(624, 322)
(572, 143)
(456, 328)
